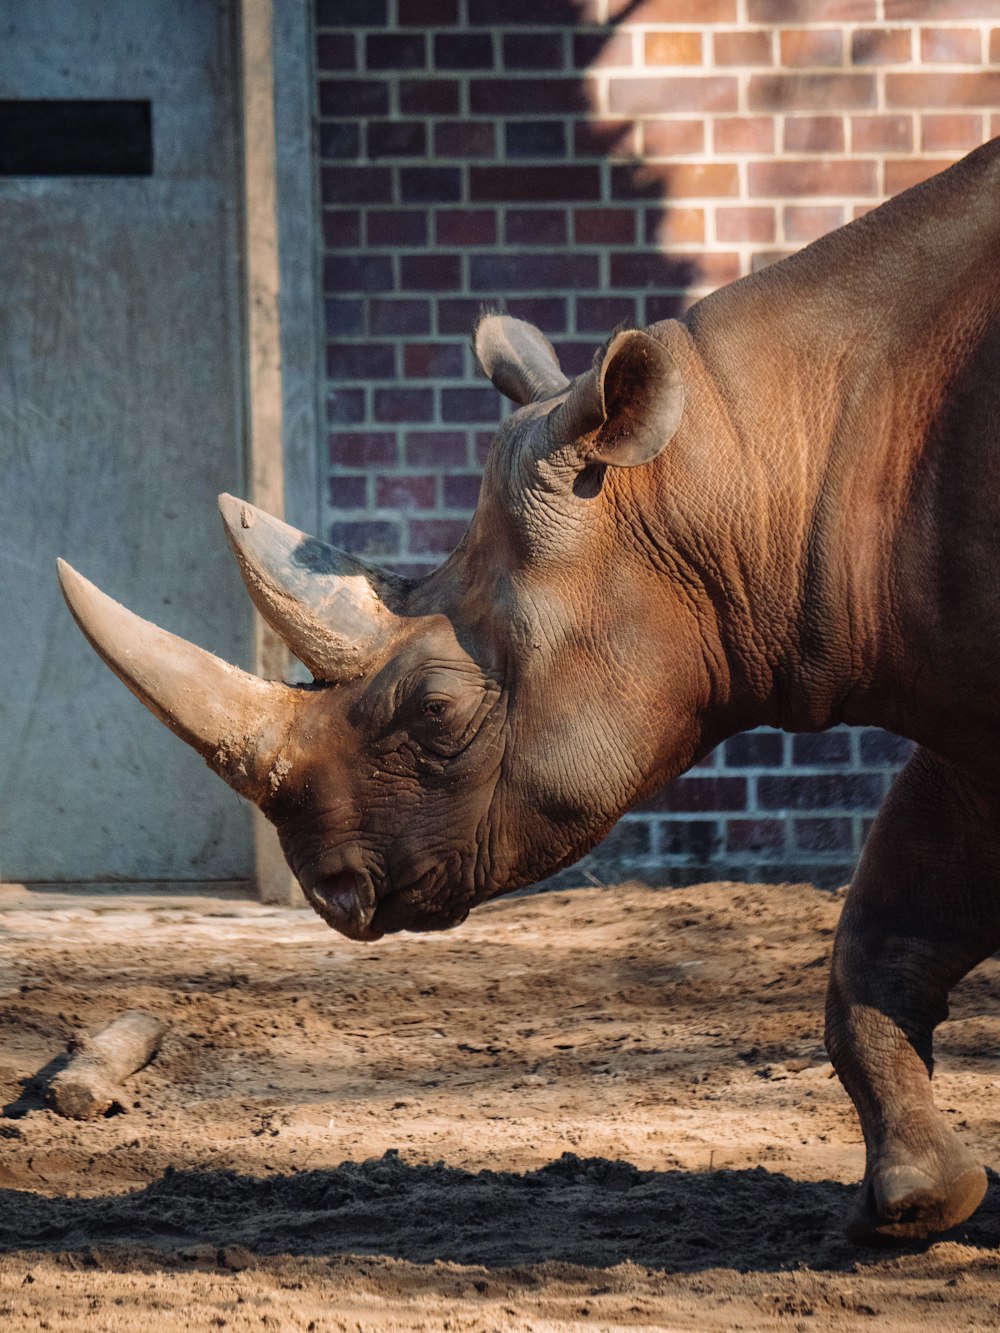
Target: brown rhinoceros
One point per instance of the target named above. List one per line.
(778, 510)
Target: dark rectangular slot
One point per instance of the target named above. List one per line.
(76, 138)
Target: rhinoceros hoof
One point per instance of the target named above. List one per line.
(900, 1204)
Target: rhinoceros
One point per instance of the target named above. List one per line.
(777, 511)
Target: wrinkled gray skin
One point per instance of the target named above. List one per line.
(782, 510)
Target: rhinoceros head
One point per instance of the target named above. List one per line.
(471, 731)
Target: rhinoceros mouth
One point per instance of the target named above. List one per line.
(346, 901)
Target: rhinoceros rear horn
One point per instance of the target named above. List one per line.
(625, 410)
(519, 359)
(329, 608)
(236, 722)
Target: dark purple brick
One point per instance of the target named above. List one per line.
(463, 50)
(341, 229)
(664, 305)
(575, 357)
(401, 492)
(458, 314)
(348, 492)
(360, 361)
(755, 749)
(335, 51)
(344, 317)
(603, 138)
(824, 791)
(536, 226)
(427, 13)
(396, 227)
(362, 448)
(395, 50)
(466, 226)
(600, 314)
(507, 13)
(695, 838)
(436, 449)
(396, 138)
(482, 444)
(388, 316)
(345, 407)
(353, 97)
(634, 269)
(588, 46)
(470, 405)
(826, 747)
(534, 50)
(434, 272)
(700, 794)
(357, 273)
(429, 97)
(514, 185)
(352, 13)
(435, 536)
(824, 835)
(430, 185)
(461, 490)
(339, 140)
(549, 313)
(615, 226)
(631, 840)
(404, 405)
(532, 272)
(883, 748)
(527, 97)
(755, 835)
(356, 185)
(535, 138)
(433, 361)
(371, 537)
(465, 138)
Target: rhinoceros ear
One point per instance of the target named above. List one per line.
(518, 359)
(625, 410)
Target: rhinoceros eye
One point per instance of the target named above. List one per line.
(436, 708)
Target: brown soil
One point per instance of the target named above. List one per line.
(591, 1109)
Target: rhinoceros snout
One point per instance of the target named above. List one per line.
(345, 900)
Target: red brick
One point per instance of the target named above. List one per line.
(436, 449)
(404, 405)
(944, 132)
(818, 11)
(428, 97)
(762, 259)
(615, 226)
(745, 224)
(953, 46)
(946, 10)
(672, 48)
(810, 46)
(676, 181)
(465, 138)
(636, 269)
(943, 90)
(755, 835)
(816, 134)
(807, 223)
(744, 134)
(362, 448)
(536, 226)
(674, 11)
(466, 226)
(606, 138)
(521, 97)
(435, 536)
(887, 134)
(667, 138)
(811, 92)
(534, 184)
(675, 226)
(433, 361)
(427, 13)
(995, 47)
(881, 46)
(602, 49)
(742, 48)
(994, 126)
(405, 492)
(682, 93)
(817, 176)
(901, 175)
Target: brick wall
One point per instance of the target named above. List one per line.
(584, 162)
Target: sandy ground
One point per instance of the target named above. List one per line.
(595, 1109)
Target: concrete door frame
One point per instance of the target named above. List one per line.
(283, 311)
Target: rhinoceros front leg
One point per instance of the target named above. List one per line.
(923, 909)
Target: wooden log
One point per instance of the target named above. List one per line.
(89, 1086)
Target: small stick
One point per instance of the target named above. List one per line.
(88, 1086)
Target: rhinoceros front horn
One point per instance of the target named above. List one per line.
(329, 608)
(236, 722)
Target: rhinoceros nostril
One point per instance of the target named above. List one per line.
(345, 899)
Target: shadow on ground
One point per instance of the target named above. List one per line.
(592, 1212)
